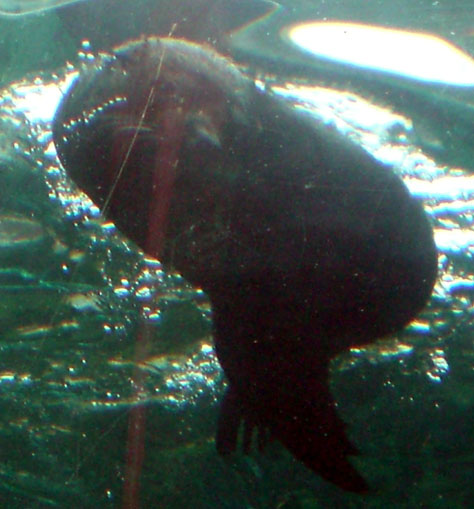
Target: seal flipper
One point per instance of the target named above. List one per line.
(313, 433)
(232, 415)
(316, 437)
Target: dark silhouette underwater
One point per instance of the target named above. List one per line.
(304, 243)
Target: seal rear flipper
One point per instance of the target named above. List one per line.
(317, 438)
(232, 416)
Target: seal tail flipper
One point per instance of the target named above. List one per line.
(317, 437)
(232, 416)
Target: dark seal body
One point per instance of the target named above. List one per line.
(304, 243)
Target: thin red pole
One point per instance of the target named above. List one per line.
(163, 182)
(135, 450)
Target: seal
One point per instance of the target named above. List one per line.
(304, 243)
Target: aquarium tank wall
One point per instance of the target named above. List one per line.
(236, 242)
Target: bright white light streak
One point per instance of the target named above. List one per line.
(416, 55)
(39, 102)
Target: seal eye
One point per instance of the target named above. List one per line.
(202, 133)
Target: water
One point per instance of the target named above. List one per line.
(76, 295)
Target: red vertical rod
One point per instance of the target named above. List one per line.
(163, 182)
